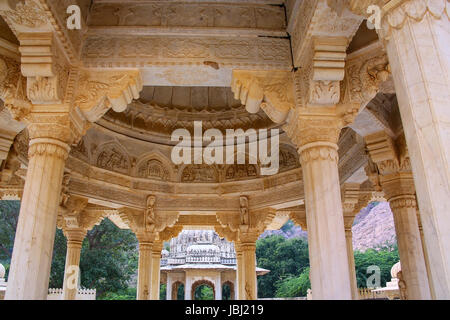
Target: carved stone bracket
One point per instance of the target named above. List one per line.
(271, 91)
(149, 227)
(98, 91)
(236, 227)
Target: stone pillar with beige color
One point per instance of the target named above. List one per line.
(151, 228)
(33, 246)
(417, 39)
(156, 274)
(396, 179)
(145, 266)
(350, 196)
(239, 267)
(244, 228)
(75, 221)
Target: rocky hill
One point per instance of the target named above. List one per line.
(373, 228)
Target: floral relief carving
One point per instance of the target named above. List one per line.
(13, 88)
(27, 13)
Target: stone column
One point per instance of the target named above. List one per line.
(414, 270)
(350, 198)
(144, 268)
(351, 263)
(156, 273)
(397, 182)
(326, 237)
(417, 45)
(35, 234)
(218, 286)
(248, 281)
(188, 287)
(425, 254)
(239, 276)
(74, 243)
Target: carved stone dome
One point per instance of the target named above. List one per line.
(396, 268)
(164, 253)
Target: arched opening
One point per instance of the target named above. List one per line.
(178, 291)
(203, 290)
(228, 291)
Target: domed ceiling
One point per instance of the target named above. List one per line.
(161, 110)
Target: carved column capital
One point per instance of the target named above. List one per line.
(392, 164)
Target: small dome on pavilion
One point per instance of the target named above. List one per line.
(164, 253)
(396, 268)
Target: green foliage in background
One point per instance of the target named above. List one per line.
(284, 258)
(295, 286)
(204, 292)
(384, 258)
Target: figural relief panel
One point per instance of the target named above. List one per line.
(153, 169)
(113, 158)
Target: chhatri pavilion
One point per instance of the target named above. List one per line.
(200, 257)
(352, 96)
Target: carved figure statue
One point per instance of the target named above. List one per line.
(150, 213)
(244, 211)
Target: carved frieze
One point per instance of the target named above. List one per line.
(233, 15)
(99, 50)
(200, 174)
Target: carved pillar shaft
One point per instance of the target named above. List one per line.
(156, 274)
(71, 274)
(33, 246)
(417, 45)
(327, 246)
(410, 247)
(239, 276)
(249, 271)
(144, 270)
(351, 263)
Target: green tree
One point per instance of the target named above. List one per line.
(383, 258)
(9, 216)
(204, 292)
(284, 258)
(295, 286)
